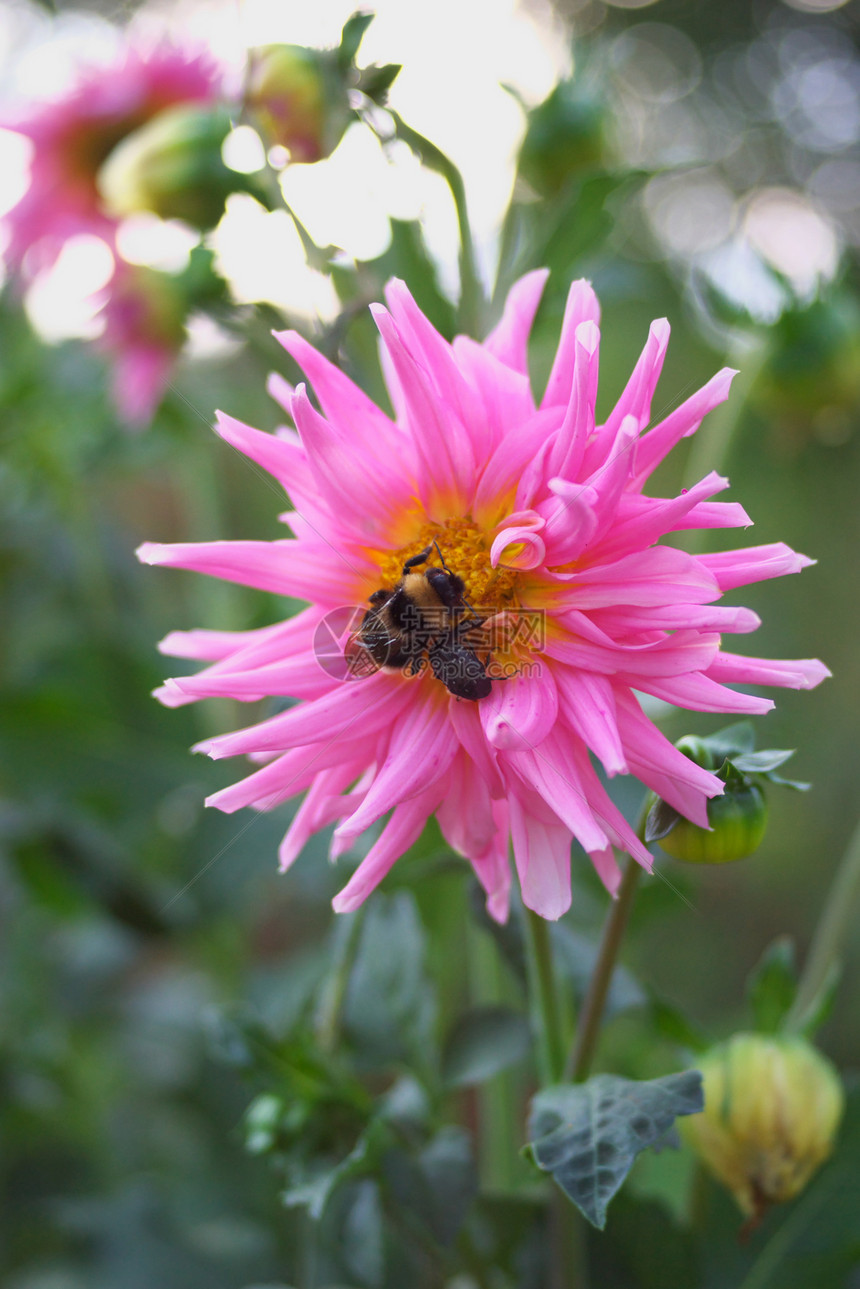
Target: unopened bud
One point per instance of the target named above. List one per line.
(297, 98)
(173, 167)
(772, 1107)
(737, 820)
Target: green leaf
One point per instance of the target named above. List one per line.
(821, 1006)
(352, 36)
(733, 740)
(576, 956)
(660, 820)
(764, 761)
(323, 1178)
(483, 1041)
(587, 1135)
(363, 1243)
(435, 1187)
(673, 1025)
(390, 1005)
(376, 80)
(772, 986)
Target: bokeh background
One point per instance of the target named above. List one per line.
(695, 160)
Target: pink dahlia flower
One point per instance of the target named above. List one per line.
(74, 135)
(542, 514)
(144, 317)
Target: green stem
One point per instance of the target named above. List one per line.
(838, 920)
(582, 1052)
(329, 1015)
(499, 1116)
(543, 996)
(471, 292)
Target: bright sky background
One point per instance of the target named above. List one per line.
(455, 54)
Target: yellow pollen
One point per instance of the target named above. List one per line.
(466, 550)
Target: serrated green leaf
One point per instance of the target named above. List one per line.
(483, 1041)
(587, 1135)
(772, 985)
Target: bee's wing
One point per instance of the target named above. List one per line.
(358, 661)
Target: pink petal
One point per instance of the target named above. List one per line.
(551, 772)
(520, 712)
(210, 645)
(432, 352)
(282, 460)
(325, 574)
(298, 676)
(639, 391)
(503, 397)
(754, 564)
(355, 708)
(541, 845)
(625, 620)
(698, 693)
(344, 402)
(661, 767)
(321, 806)
(684, 421)
(509, 339)
(289, 774)
(569, 443)
(446, 462)
(659, 575)
(587, 704)
(493, 868)
(803, 673)
(607, 869)
(421, 748)
(582, 306)
(402, 831)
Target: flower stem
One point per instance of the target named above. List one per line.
(471, 292)
(543, 995)
(838, 919)
(582, 1052)
(329, 1014)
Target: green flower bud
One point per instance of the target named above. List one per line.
(772, 1107)
(738, 822)
(297, 98)
(173, 167)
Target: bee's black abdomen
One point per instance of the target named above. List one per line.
(460, 670)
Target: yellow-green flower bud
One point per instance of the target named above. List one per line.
(738, 822)
(173, 167)
(772, 1107)
(297, 98)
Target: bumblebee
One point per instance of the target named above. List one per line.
(425, 614)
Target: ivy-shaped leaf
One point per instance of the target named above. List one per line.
(587, 1135)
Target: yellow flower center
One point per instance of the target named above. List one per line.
(466, 550)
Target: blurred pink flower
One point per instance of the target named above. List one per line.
(144, 316)
(537, 509)
(73, 135)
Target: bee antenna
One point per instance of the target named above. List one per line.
(441, 556)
